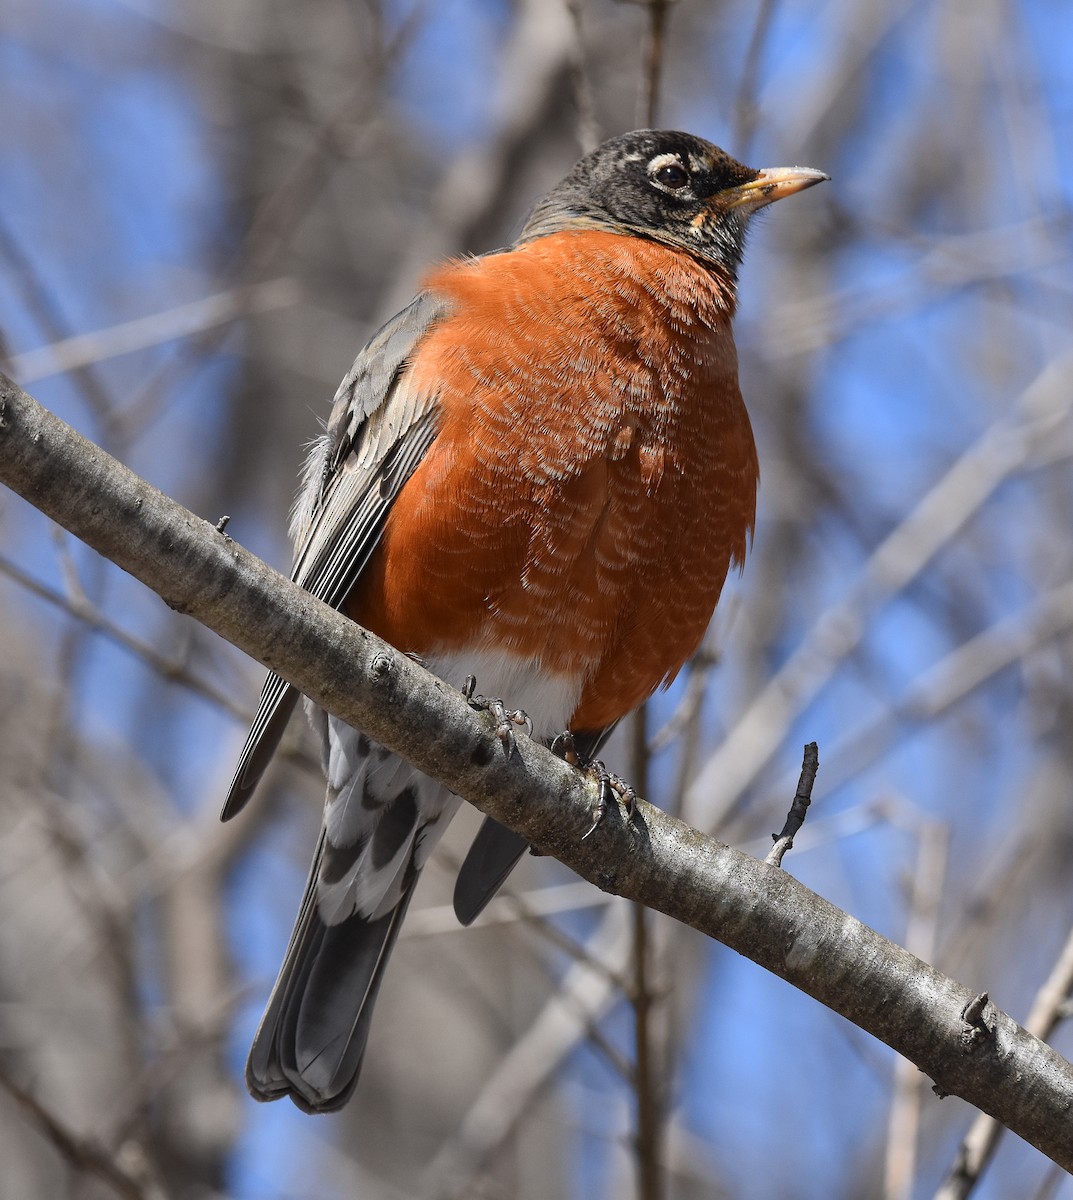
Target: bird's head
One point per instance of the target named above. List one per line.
(670, 187)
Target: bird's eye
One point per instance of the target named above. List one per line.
(673, 176)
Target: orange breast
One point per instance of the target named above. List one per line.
(594, 476)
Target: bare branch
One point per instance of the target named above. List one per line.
(976, 1150)
(73, 353)
(537, 59)
(588, 132)
(83, 1155)
(583, 997)
(648, 1137)
(655, 40)
(82, 609)
(654, 859)
(746, 111)
(903, 1129)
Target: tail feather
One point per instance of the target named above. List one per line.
(493, 855)
(312, 1036)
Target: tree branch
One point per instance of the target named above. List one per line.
(82, 1154)
(755, 909)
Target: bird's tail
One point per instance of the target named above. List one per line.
(312, 1036)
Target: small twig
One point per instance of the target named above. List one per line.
(745, 106)
(76, 351)
(77, 605)
(648, 1136)
(574, 949)
(39, 301)
(954, 679)
(795, 818)
(977, 1029)
(588, 133)
(83, 1155)
(903, 1125)
(685, 714)
(653, 69)
(1005, 448)
(582, 1000)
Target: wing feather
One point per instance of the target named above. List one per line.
(379, 430)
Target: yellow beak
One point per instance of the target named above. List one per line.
(771, 184)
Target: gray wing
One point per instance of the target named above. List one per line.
(379, 430)
(496, 849)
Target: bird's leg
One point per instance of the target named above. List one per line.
(505, 718)
(609, 785)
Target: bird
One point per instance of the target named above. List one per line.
(538, 475)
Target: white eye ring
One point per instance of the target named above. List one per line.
(675, 172)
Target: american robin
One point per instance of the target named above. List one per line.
(538, 473)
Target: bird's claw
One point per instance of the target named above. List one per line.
(563, 746)
(609, 785)
(505, 718)
(603, 800)
(627, 796)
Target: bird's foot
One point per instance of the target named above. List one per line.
(609, 785)
(505, 718)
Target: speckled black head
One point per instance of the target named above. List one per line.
(670, 187)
